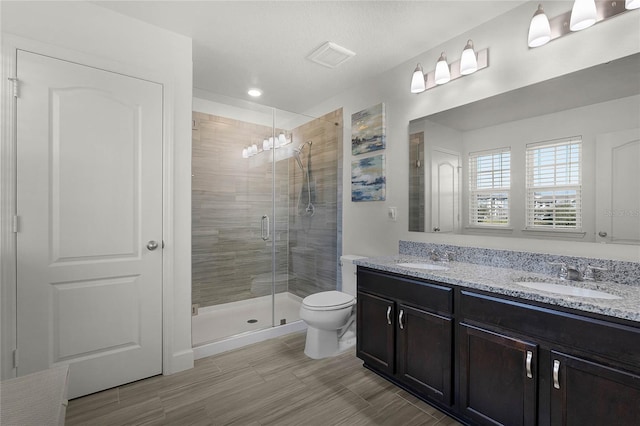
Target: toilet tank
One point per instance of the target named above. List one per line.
(349, 273)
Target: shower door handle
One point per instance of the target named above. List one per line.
(264, 230)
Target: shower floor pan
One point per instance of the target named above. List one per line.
(214, 323)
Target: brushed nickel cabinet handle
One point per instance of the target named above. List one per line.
(400, 319)
(556, 374)
(389, 315)
(528, 364)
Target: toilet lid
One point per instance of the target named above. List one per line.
(328, 300)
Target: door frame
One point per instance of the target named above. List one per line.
(174, 359)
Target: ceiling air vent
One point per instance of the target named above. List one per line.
(330, 55)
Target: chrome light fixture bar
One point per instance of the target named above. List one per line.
(444, 73)
(584, 14)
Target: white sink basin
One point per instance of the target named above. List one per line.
(427, 266)
(568, 290)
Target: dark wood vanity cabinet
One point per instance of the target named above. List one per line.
(488, 359)
(408, 336)
(376, 341)
(549, 368)
(589, 393)
(498, 377)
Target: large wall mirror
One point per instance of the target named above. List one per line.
(559, 159)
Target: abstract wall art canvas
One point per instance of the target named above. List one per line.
(368, 130)
(368, 182)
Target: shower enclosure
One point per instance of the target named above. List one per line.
(264, 216)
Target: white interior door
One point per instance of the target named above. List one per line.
(89, 199)
(618, 187)
(445, 191)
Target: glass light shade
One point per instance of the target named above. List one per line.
(539, 30)
(245, 153)
(631, 4)
(254, 149)
(583, 15)
(282, 139)
(266, 146)
(468, 62)
(417, 81)
(443, 75)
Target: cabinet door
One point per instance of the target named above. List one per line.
(587, 393)
(424, 352)
(497, 377)
(375, 331)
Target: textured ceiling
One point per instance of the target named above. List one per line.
(242, 44)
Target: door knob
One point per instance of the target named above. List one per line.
(152, 245)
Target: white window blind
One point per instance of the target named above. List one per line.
(554, 184)
(489, 186)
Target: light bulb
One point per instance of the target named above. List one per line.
(583, 15)
(539, 30)
(282, 140)
(468, 62)
(442, 74)
(418, 84)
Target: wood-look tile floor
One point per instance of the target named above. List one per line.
(268, 383)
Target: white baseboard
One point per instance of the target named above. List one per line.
(180, 361)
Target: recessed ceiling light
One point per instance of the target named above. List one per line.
(254, 92)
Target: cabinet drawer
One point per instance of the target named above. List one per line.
(616, 342)
(424, 294)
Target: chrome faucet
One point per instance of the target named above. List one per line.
(444, 256)
(588, 273)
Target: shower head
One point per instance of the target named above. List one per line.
(301, 147)
(296, 155)
(297, 151)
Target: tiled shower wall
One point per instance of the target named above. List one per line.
(230, 262)
(313, 239)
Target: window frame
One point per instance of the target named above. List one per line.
(557, 181)
(493, 189)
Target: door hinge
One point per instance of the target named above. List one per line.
(14, 223)
(15, 358)
(15, 82)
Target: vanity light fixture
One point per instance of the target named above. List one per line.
(470, 62)
(539, 29)
(443, 74)
(583, 14)
(267, 144)
(418, 83)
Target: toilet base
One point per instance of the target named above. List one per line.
(325, 343)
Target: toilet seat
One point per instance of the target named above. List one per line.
(328, 301)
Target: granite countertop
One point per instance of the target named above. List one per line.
(504, 281)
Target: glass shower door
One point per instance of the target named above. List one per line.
(232, 221)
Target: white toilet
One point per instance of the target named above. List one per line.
(330, 315)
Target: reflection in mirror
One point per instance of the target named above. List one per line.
(572, 150)
(416, 182)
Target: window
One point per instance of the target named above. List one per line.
(489, 184)
(554, 184)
